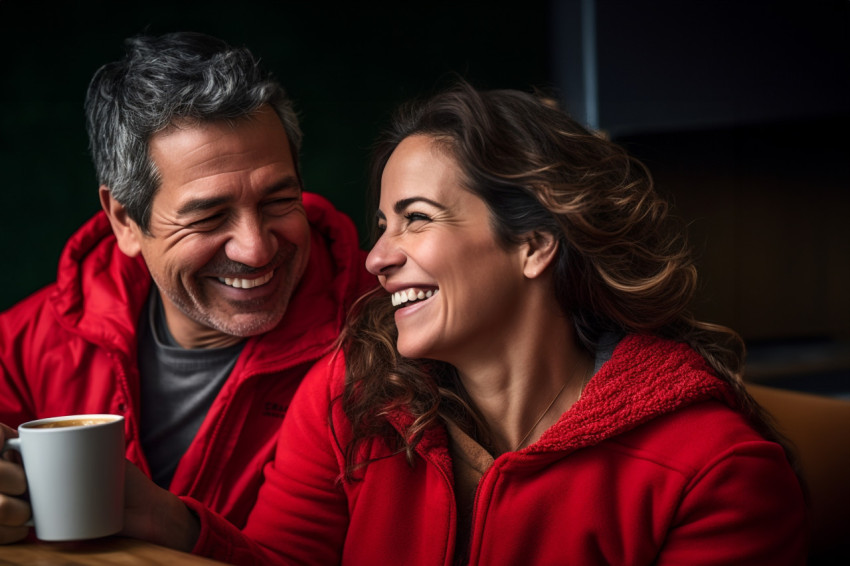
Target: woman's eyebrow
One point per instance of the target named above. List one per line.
(405, 202)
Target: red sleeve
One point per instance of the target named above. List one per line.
(19, 338)
(301, 514)
(746, 507)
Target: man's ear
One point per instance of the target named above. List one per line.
(126, 230)
(540, 251)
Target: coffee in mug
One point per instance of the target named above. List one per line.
(69, 422)
(74, 467)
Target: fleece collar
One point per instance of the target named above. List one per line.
(646, 377)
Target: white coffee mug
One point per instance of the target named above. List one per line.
(74, 467)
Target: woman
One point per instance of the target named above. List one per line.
(533, 390)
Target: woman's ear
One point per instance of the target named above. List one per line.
(127, 232)
(540, 250)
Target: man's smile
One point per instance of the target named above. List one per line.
(241, 283)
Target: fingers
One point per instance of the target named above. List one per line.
(6, 432)
(13, 534)
(12, 479)
(14, 513)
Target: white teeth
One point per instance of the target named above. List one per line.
(401, 297)
(240, 283)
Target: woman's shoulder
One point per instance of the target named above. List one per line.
(323, 383)
(694, 436)
(327, 371)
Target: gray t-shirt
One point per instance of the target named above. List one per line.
(178, 387)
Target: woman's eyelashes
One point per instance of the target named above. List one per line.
(416, 217)
(410, 217)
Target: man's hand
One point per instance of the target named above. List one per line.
(155, 514)
(14, 512)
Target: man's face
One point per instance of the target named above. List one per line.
(228, 238)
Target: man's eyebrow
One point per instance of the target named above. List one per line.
(203, 204)
(286, 184)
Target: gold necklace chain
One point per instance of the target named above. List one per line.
(548, 407)
(540, 418)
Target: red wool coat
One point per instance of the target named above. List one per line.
(651, 466)
(71, 348)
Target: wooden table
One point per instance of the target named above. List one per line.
(98, 552)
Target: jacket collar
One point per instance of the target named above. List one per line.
(99, 291)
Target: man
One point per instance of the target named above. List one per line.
(195, 302)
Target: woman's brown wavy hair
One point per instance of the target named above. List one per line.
(624, 264)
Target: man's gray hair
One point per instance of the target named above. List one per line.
(174, 77)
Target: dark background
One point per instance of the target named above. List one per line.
(740, 109)
(346, 66)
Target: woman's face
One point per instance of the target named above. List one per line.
(454, 286)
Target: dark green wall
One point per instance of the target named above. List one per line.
(345, 66)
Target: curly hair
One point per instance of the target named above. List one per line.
(161, 80)
(623, 264)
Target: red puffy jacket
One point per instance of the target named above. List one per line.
(650, 466)
(71, 348)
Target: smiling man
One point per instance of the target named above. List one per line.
(228, 238)
(196, 301)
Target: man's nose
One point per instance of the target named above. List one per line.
(251, 243)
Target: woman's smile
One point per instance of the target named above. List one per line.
(412, 295)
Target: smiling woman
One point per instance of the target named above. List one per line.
(528, 387)
(437, 241)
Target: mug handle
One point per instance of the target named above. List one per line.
(15, 444)
(11, 444)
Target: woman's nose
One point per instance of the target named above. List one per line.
(384, 256)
